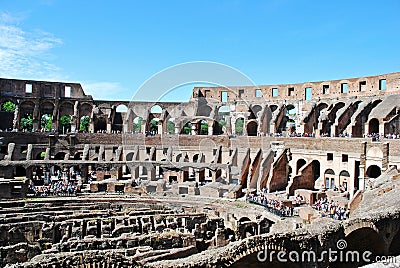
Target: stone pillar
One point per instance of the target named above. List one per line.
(194, 129)
(381, 129)
(36, 119)
(160, 127)
(151, 173)
(210, 130)
(366, 129)
(108, 126)
(16, 117)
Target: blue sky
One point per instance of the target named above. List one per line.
(112, 47)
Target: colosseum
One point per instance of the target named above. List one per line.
(222, 180)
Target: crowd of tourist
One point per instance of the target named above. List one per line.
(272, 205)
(55, 188)
(331, 209)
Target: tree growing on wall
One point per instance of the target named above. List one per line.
(46, 122)
(171, 127)
(26, 122)
(239, 126)
(9, 106)
(137, 127)
(85, 123)
(65, 123)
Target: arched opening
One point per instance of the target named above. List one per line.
(20, 172)
(46, 119)
(40, 156)
(153, 126)
(137, 124)
(64, 126)
(84, 123)
(300, 163)
(60, 156)
(255, 110)
(46, 122)
(291, 113)
(78, 156)
(65, 113)
(156, 109)
(344, 180)
(121, 108)
(362, 240)
(329, 178)
(129, 156)
(119, 116)
(7, 115)
(373, 126)
(316, 169)
(252, 128)
(273, 107)
(26, 118)
(202, 127)
(171, 126)
(187, 129)
(219, 127)
(224, 111)
(373, 171)
(239, 126)
(100, 123)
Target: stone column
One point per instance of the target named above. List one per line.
(16, 117)
(210, 130)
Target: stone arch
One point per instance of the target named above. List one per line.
(65, 114)
(224, 110)
(363, 239)
(373, 171)
(119, 117)
(329, 178)
(121, 108)
(375, 152)
(373, 126)
(344, 179)
(252, 128)
(26, 110)
(156, 109)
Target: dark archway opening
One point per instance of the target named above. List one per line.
(252, 128)
(373, 171)
(373, 126)
(300, 163)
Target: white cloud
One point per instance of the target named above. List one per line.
(107, 91)
(25, 54)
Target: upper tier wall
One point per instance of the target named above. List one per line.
(363, 86)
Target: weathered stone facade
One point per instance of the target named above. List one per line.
(297, 138)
